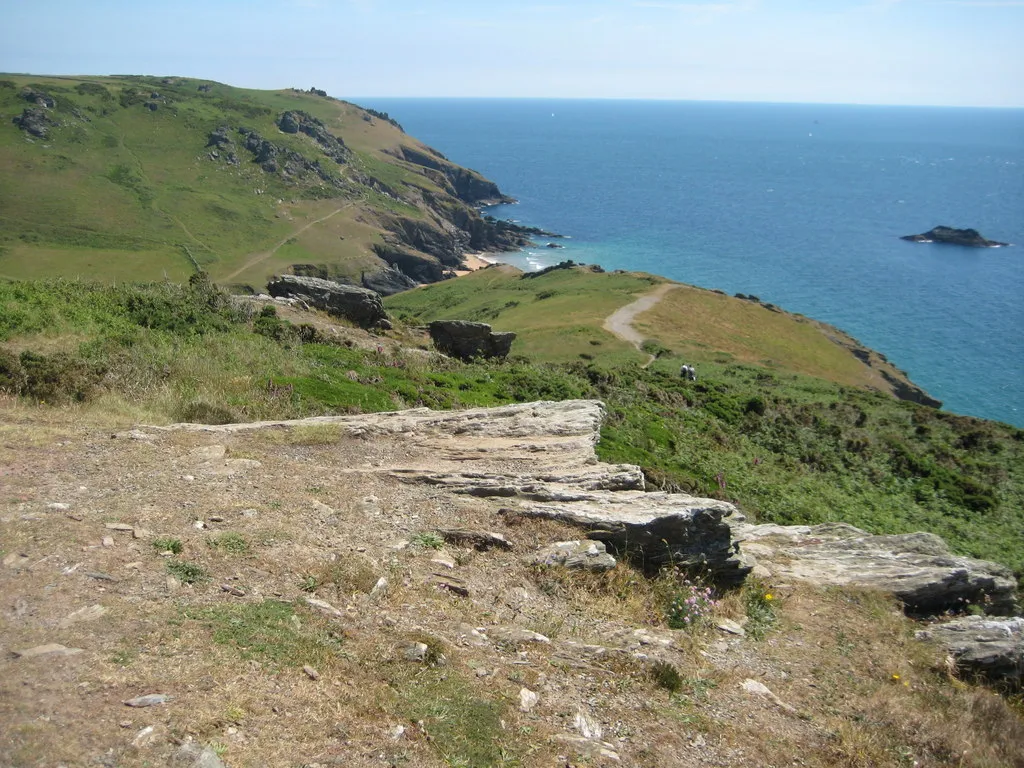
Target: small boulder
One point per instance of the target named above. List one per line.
(983, 646)
(576, 555)
(466, 340)
(360, 305)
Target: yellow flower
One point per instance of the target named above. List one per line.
(768, 596)
(895, 677)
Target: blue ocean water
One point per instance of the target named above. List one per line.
(801, 205)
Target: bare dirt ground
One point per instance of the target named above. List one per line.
(620, 322)
(270, 518)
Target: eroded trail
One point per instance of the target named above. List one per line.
(260, 257)
(620, 322)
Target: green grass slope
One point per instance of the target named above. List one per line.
(123, 178)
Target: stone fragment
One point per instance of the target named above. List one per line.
(983, 646)
(99, 576)
(576, 555)
(415, 652)
(450, 584)
(58, 506)
(527, 699)
(482, 540)
(147, 700)
(310, 672)
(193, 755)
(145, 737)
(231, 589)
(443, 561)
(122, 527)
(731, 627)
(760, 689)
(108, 541)
(50, 649)
(380, 588)
(89, 613)
(516, 636)
(324, 607)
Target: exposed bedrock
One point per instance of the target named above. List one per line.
(469, 186)
(360, 305)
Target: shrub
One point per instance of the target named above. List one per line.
(205, 413)
(687, 603)
(187, 573)
(58, 378)
(12, 374)
(168, 544)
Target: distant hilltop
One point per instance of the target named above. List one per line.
(143, 178)
(968, 237)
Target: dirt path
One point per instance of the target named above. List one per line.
(261, 257)
(620, 322)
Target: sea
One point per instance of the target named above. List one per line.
(801, 205)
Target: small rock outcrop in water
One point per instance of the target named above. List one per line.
(466, 340)
(360, 305)
(983, 646)
(968, 237)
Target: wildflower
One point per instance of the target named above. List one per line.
(896, 677)
(768, 596)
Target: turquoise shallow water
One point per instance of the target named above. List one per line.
(801, 205)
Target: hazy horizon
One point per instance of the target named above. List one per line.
(964, 53)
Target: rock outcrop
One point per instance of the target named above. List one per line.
(34, 121)
(918, 568)
(466, 340)
(983, 647)
(952, 236)
(360, 305)
(539, 458)
(469, 186)
(297, 121)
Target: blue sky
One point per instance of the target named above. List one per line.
(943, 52)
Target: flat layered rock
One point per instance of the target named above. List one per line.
(982, 646)
(918, 568)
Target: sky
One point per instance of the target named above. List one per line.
(935, 52)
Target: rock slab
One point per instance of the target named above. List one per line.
(918, 568)
(982, 646)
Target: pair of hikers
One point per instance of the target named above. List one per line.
(687, 372)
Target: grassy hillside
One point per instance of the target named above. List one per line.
(785, 446)
(141, 178)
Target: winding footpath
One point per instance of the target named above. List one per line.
(620, 322)
(261, 257)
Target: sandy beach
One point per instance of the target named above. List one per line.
(475, 261)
